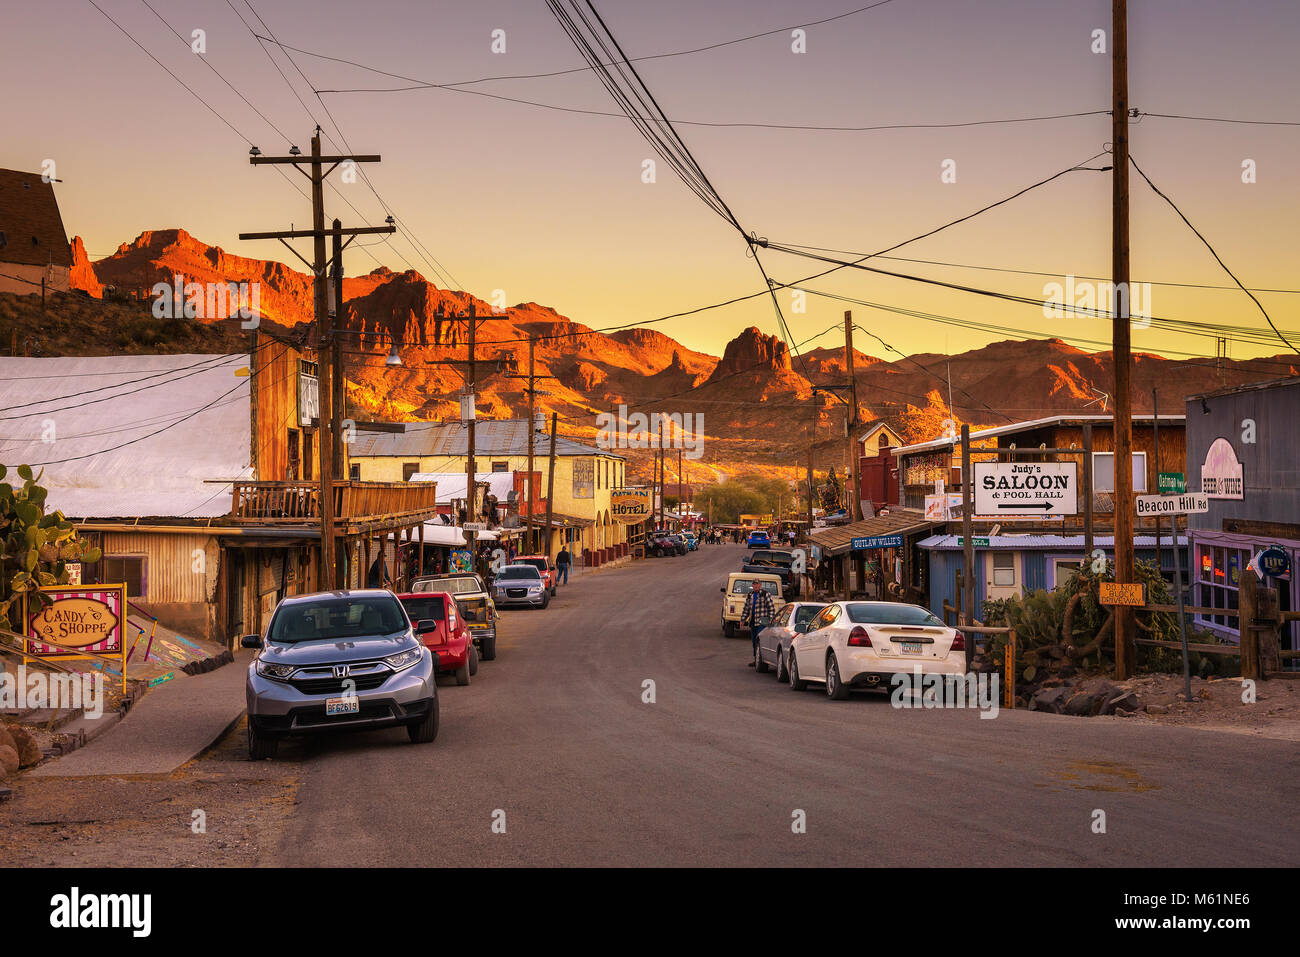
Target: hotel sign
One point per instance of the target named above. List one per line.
(631, 506)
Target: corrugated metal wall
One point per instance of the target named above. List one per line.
(1034, 568)
(178, 568)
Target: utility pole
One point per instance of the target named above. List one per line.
(1124, 505)
(467, 405)
(1155, 428)
(533, 392)
(812, 441)
(1087, 492)
(550, 484)
(967, 541)
(327, 434)
(855, 494)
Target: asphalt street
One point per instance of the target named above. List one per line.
(553, 744)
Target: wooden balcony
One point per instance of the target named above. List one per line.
(358, 506)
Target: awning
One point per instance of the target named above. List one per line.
(878, 532)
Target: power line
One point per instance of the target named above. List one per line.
(1218, 119)
(1217, 258)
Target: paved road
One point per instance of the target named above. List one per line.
(555, 734)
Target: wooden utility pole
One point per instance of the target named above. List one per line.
(812, 441)
(338, 389)
(1124, 504)
(855, 493)
(328, 431)
(1087, 492)
(967, 541)
(550, 484)
(1155, 428)
(471, 498)
(533, 393)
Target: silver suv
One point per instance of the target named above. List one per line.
(335, 661)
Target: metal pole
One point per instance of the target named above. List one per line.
(1182, 624)
(967, 542)
(1087, 492)
(1173, 519)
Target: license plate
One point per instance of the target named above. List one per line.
(911, 647)
(335, 706)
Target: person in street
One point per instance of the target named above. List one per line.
(562, 563)
(757, 614)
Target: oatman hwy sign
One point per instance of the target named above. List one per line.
(1026, 489)
(1186, 504)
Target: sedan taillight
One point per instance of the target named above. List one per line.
(859, 638)
(958, 642)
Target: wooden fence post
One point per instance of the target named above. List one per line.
(1246, 610)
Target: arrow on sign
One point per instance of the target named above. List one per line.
(1046, 506)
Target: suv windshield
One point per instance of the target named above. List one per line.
(329, 619)
(519, 571)
(431, 607)
(453, 586)
(742, 585)
(890, 613)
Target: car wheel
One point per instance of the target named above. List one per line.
(260, 746)
(426, 729)
(473, 660)
(781, 673)
(759, 664)
(729, 629)
(462, 673)
(489, 649)
(546, 599)
(836, 689)
(792, 671)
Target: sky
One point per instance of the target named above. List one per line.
(550, 206)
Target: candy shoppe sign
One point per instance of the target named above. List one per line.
(78, 619)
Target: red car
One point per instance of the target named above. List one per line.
(444, 631)
(544, 565)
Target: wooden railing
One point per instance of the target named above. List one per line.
(298, 503)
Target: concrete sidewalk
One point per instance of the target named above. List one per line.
(170, 725)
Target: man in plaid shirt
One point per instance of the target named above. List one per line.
(758, 613)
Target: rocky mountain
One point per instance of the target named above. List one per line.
(757, 400)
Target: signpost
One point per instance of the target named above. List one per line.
(1026, 490)
(1189, 503)
(1171, 482)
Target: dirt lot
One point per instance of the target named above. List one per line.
(1217, 705)
(83, 821)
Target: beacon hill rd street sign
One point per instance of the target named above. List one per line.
(1186, 504)
(1026, 489)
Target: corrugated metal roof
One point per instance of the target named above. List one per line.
(1031, 425)
(129, 436)
(491, 437)
(1034, 542)
(452, 484)
(839, 538)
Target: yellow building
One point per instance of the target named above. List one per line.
(584, 474)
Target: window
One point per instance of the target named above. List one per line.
(354, 473)
(884, 441)
(500, 466)
(124, 568)
(409, 469)
(292, 469)
(1004, 568)
(1217, 581)
(307, 454)
(1103, 471)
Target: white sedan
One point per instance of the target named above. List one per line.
(858, 645)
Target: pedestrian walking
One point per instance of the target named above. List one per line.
(562, 563)
(757, 614)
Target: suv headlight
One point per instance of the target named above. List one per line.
(404, 660)
(278, 672)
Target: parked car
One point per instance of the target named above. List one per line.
(692, 541)
(774, 561)
(544, 565)
(858, 645)
(679, 543)
(520, 585)
(774, 640)
(758, 539)
(475, 604)
(450, 641)
(336, 661)
(733, 597)
(660, 544)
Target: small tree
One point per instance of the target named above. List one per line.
(35, 547)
